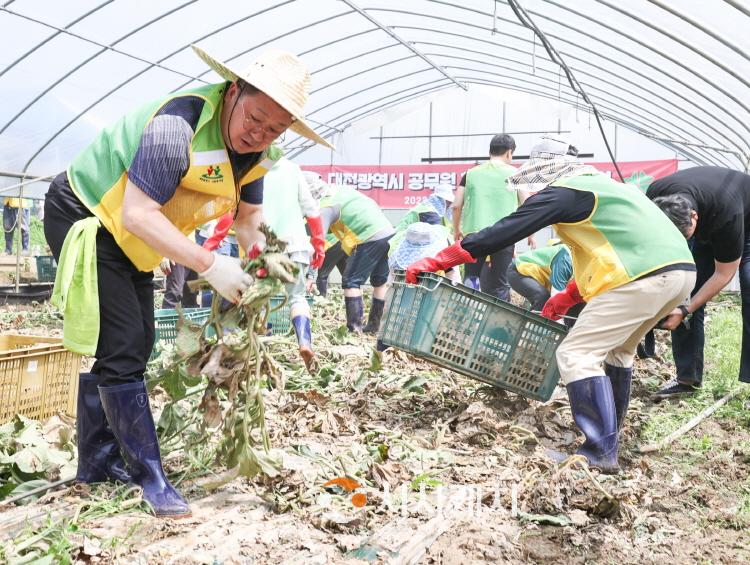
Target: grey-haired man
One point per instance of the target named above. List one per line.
(711, 207)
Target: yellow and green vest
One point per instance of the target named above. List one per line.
(331, 240)
(360, 217)
(537, 264)
(99, 173)
(487, 198)
(626, 236)
(412, 216)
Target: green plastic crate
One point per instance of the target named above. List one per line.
(46, 268)
(473, 333)
(279, 319)
(165, 322)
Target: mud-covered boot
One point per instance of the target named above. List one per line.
(99, 457)
(620, 378)
(354, 312)
(129, 415)
(373, 319)
(304, 340)
(593, 408)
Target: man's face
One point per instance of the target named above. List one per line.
(693, 224)
(253, 120)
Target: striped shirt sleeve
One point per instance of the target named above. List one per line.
(163, 157)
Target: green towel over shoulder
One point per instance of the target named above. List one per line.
(76, 291)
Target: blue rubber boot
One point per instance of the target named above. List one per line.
(304, 339)
(99, 457)
(593, 408)
(129, 414)
(621, 379)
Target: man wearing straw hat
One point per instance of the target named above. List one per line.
(129, 199)
(627, 282)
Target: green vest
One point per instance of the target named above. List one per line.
(625, 237)
(281, 209)
(487, 198)
(542, 257)
(360, 218)
(99, 173)
(331, 240)
(412, 216)
(537, 264)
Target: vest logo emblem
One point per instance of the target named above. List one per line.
(213, 174)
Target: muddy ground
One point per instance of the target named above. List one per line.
(452, 472)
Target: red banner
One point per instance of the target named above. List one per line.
(403, 186)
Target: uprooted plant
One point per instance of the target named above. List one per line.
(229, 354)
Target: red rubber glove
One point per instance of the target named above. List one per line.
(317, 240)
(255, 250)
(447, 258)
(220, 232)
(558, 305)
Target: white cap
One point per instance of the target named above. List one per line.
(549, 147)
(318, 188)
(445, 191)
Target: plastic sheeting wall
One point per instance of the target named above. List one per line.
(675, 71)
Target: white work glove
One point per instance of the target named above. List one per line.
(227, 277)
(166, 266)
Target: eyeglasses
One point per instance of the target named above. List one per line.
(253, 124)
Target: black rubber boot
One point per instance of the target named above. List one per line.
(322, 285)
(593, 408)
(621, 379)
(99, 457)
(376, 313)
(647, 348)
(129, 414)
(354, 312)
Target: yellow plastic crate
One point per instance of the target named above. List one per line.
(38, 377)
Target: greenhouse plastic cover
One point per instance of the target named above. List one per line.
(676, 71)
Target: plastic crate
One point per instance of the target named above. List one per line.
(165, 322)
(38, 377)
(46, 268)
(474, 334)
(279, 319)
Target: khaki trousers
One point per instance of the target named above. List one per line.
(614, 322)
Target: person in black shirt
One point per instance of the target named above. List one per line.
(711, 207)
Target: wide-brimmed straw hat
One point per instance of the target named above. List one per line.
(280, 75)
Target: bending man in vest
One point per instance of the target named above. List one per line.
(628, 283)
(711, 207)
(335, 257)
(536, 274)
(482, 199)
(131, 198)
(364, 231)
(286, 204)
